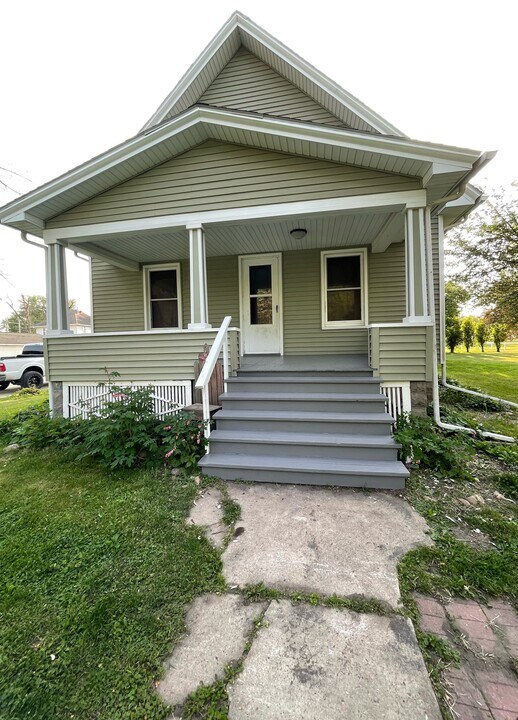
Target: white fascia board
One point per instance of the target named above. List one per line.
(409, 199)
(240, 22)
(460, 159)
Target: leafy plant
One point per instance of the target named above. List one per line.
(428, 446)
(453, 334)
(40, 431)
(468, 402)
(184, 440)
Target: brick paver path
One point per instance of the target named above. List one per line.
(485, 687)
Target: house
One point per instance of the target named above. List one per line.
(78, 323)
(268, 213)
(12, 343)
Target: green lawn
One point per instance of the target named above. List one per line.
(11, 405)
(491, 372)
(97, 569)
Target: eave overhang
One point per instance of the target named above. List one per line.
(439, 167)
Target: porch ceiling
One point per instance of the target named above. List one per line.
(325, 231)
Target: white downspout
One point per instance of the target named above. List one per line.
(45, 249)
(431, 305)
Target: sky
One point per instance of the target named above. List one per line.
(79, 77)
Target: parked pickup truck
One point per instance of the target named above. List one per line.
(27, 369)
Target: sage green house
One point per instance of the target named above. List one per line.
(266, 212)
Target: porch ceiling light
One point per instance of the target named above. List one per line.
(298, 233)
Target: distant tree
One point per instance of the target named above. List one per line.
(455, 297)
(453, 334)
(485, 250)
(482, 333)
(468, 333)
(26, 313)
(500, 333)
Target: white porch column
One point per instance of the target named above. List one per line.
(415, 263)
(57, 295)
(198, 279)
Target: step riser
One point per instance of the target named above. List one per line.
(298, 450)
(301, 478)
(292, 385)
(301, 374)
(306, 405)
(305, 426)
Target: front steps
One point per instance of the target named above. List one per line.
(316, 428)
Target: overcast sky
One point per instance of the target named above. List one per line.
(79, 77)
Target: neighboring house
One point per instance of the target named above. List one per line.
(78, 322)
(12, 343)
(263, 191)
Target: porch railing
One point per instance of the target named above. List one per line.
(221, 343)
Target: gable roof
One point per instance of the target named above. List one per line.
(75, 317)
(239, 31)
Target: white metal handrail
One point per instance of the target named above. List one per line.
(202, 383)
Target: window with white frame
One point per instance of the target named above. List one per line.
(344, 288)
(163, 297)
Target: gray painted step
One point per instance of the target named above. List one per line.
(307, 471)
(313, 402)
(279, 444)
(305, 422)
(295, 383)
(353, 372)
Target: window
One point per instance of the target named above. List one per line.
(162, 292)
(343, 289)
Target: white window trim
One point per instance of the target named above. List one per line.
(341, 324)
(147, 294)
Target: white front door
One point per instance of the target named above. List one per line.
(261, 311)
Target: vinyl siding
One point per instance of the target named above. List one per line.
(303, 334)
(215, 176)
(117, 299)
(148, 356)
(387, 287)
(402, 353)
(247, 83)
(436, 270)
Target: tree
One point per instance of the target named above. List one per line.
(455, 297)
(30, 310)
(468, 333)
(483, 333)
(485, 250)
(499, 334)
(453, 334)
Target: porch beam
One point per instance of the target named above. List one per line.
(392, 231)
(198, 278)
(57, 296)
(88, 233)
(415, 267)
(107, 256)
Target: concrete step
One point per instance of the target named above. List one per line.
(279, 444)
(306, 471)
(281, 420)
(312, 402)
(309, 384)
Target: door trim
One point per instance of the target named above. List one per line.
(262, 256)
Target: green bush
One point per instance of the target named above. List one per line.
(428, 446)
(9, 424)
(40, 431)
(184, 438)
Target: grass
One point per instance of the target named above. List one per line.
(493, 373)
(97, 570)
(19, 401)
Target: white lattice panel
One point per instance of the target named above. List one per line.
(399, 399)
(79, 400)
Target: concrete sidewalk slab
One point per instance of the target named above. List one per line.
(207, 512)
(321, 540)
(315, 663)
(217, 630)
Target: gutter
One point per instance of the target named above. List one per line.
(45, 249)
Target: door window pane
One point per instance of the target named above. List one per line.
(343, 272)
(343, 305)
(162, 284)
(261, 310)
(260, 279)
